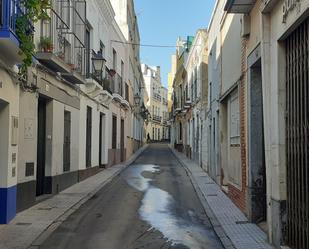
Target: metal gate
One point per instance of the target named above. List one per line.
(297, 131)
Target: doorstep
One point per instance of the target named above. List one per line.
(230, 224)
(30, 227)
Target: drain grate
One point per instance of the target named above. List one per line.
(241, 222)
(23, 224)
(46, 209)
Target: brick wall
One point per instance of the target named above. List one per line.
(238, 196)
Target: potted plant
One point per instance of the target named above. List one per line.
(46, 44)
(72, 66)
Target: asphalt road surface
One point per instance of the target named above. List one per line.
(151, 205)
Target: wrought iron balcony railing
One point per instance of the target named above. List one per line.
(65, 34)
(157, 118)
(157, 97)
(10, 10)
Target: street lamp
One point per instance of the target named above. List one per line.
(137, 99)
(98, 63)
(143, 109)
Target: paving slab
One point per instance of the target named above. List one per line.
(231, 225)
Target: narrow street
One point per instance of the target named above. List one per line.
(152, 204)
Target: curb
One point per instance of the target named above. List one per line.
(225, 240)
(38, 241)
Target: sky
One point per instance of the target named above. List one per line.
(161, 22)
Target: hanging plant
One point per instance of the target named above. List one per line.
(35, 10)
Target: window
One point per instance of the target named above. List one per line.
(180, 131)
(191, 81)
(234, 119)
(68, 49)
(102, 48)
(122, 69)
(127, 92)
(121, 80)
(88, 52)
(180, 96)
(187, 95)
(114, 132)
(114, 59)
(195, 83)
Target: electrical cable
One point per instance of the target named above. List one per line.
(152, 45)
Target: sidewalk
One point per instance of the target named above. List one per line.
(30, 227)
(230, 224)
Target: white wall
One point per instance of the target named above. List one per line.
(27, 134)
(9, 106)
(55, 138)
(231, 51)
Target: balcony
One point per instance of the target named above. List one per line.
(239, 6)
(10, 10)
(188, 104)
(99, 86)
(62, 45)
(117, 87)
(156, 118)
(157, 97)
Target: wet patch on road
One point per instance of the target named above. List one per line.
(161, 211)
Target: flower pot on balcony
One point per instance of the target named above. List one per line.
(46, 44)
(61, 56)
(72, 66)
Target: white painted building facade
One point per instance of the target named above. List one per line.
(67, 120)
(157, 105)
(195, 98)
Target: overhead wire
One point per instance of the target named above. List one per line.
(151, 45)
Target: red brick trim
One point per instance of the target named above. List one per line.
(238, 196)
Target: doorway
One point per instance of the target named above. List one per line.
(122, 141)
(88, 136)
(41, 146)
(257, 167)
(67, 141)
(101, 137)
(297, 135)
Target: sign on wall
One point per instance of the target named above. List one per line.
(288, 6)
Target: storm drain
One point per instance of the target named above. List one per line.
(242, 222)
(45, 209)
(23, 224)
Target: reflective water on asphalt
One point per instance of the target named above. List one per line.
(158, 210)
